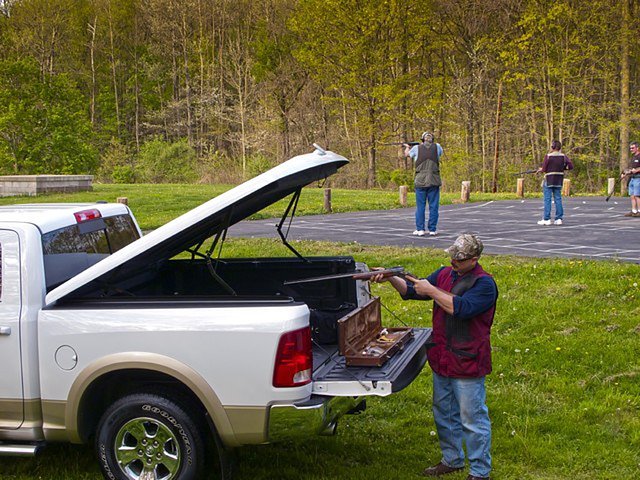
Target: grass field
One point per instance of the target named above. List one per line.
(564, 396)
(155, 205)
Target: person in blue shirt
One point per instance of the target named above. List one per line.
(464, 297)
(426, 157)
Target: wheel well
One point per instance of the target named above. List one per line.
(111, 386)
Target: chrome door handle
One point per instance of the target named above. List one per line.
(5, 330)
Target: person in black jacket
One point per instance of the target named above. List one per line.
(554, 165)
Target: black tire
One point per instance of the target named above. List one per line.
(147, 432)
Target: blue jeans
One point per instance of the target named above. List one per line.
(461, 414)
(432, 196)
(634, 187)
(556, 193)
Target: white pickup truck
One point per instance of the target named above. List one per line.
(158, 349)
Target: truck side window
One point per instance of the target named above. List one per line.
(70, 250)
(121, 231)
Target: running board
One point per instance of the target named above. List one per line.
(19, 449)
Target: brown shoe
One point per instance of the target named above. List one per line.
(629, 214)
(636, 214)
(439, 469)
(473, 477)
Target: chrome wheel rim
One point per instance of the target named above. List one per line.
(146, 449)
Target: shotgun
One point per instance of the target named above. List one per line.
(387, 272)
(411, 144)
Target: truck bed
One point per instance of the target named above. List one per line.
(330, 367)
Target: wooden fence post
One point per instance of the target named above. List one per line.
(566, 187)
(611, 184)
(327, 200)
(520, 187)
(123, 200)
(403, 195)
(466, 190)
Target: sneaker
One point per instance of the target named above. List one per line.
(544, 222)
(419, 233)
(558, 222)
(433, 234)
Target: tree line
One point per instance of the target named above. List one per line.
(218, 90)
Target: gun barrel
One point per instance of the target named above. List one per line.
(411, 144)
(395, 271)
(615, 185)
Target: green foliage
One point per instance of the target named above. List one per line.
(401, 176)
(166, 162)
(116, 164)
(269, 51)
(383, 177)
(453, 166)
(257, 164)
(344, 72)
(43, 125)
(216, 167)
(123, 174)
(394, 178)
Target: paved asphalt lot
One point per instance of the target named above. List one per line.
(592, 228)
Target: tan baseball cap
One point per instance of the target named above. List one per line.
(465, 247)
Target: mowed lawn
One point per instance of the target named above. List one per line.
(564, 396)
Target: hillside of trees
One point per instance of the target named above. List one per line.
(219, 90)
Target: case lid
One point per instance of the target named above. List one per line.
(359, 327)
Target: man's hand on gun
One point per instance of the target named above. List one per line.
(421, 286)
(380, 277)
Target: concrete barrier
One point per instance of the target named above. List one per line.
(12, 185)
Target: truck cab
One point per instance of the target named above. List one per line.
(42, 246)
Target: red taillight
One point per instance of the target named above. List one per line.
(293, 359)
(85, 215)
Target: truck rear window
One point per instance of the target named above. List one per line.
(70, 250)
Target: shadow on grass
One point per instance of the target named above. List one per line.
(55, 461)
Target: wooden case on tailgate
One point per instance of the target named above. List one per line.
(362, 339)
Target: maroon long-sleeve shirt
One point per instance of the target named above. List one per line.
(553, 166)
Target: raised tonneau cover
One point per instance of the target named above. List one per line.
(203, 222)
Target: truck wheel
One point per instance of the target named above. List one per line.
(147, 436)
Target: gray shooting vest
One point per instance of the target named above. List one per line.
(427, 166)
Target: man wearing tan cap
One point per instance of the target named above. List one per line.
(464, 298)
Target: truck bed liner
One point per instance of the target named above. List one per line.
(400, 370)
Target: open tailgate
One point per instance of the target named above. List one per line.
(332, 377)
